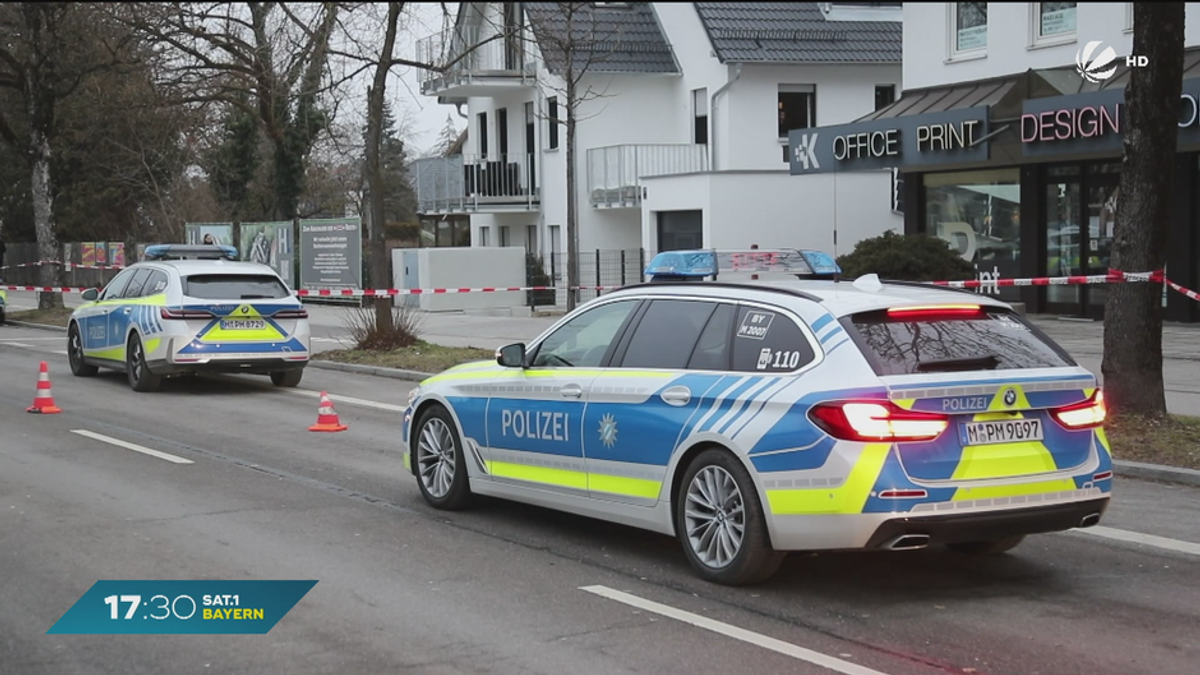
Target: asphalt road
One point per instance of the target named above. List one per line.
(500, 589)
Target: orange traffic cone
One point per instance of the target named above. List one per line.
(43, 399)
(327, 417)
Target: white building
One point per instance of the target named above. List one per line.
(1021, 159)
(686, 145)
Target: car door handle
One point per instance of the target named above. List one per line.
(677, 396)
(128, 310)
(571, 391)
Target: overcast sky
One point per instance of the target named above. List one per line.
(426, 117)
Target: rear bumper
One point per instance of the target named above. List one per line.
(949, 529)
(259, 366)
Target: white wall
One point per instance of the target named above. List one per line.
(1010, 25)
(844, 94)
(776, 209)
(465, 268)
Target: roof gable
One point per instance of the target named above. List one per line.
(795, 32)
(616, 38)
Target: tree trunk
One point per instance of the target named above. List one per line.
(1132, 366)
(375, 181)
(572, 197)
(43, 219)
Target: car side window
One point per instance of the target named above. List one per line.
(134, 289)
(157, 283)
(583, 341)
(667, 333)
(769, 341)
(116, 287)
(712, 349)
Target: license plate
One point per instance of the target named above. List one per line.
(243, 324)
(1001, 431)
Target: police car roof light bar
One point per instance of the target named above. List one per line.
(696, 264)
(189, 252)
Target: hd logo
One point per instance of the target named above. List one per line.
(805, 151)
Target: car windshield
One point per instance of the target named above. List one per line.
(234, 287)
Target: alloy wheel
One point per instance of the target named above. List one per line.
(715, 517)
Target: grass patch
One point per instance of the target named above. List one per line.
(422, 357)
(50, 317)
(1174, 441)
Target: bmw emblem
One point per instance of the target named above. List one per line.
(1010, 397)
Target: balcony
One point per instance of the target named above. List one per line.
(614, 172)
(477, 63)
(474, 184)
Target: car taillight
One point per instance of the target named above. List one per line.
(167, 313)
(290, 314)
(871, 421)
(1085, 415)
(918, 312)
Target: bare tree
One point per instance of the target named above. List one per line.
(1133, 365)
(573, 41)
(49, 49)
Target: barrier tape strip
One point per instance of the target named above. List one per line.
(1113, 277)
(1186, 291)
(70, 266)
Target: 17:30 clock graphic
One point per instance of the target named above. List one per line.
(177, 607)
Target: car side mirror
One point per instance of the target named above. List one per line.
(91, 294)
(511, 356)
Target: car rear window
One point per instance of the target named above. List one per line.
(930, 342)
(234, 287)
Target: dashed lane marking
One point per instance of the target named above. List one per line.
(337, 398)
(131, 446)
(1139, 538)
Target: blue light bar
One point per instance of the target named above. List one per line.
(189, 252)
(682, 265)
(697, 264)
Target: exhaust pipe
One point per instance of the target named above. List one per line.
(908, 542)
(1090, 520)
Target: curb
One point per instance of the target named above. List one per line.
(1156, 472)
(37, 326)
(377, 371)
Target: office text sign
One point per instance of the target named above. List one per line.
(331, 253)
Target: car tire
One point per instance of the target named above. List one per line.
(440, 463)
(987, 547)
(287, 378)
(79, 367)
(140, 377)
(710, 529)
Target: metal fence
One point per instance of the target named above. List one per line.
(614, 172)
(598, 267)
(73, 252)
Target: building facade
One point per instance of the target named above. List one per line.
(682, 133)
(1007, 139)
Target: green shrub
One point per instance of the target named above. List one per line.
(899, 257)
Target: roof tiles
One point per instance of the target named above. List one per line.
(624, 38)
(795, 32)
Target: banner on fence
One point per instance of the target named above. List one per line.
(331, 253)
(220, 234)
(88, 252)
(116, 253)
(269, 244)
(101, 253)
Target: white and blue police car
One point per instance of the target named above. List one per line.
(782, 413)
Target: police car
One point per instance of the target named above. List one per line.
(3, 305)
(189, 310)
(776, 414)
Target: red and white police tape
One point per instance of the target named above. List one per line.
(69, 265)
(1113, 277)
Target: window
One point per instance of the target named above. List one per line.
(234, 287)
(1053, 22)
(116, 287)
(134, 289)
(502, 132)
(667, 334)
(583, 341)
(531, 239)
(484, 236)
(700, 116)
(481, 123)
(156, 284)
(504, 235)
(552, 118)
(968, 27)
(906, 346)
(712, 350)
(979, 213)
(1128, 16)
(555, 239)
(885, 95)
(768, 341)
(797, 110)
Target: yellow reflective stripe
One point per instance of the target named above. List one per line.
(151, 345)
(1018, 490)
(906, 403)
(501, 372)
(407, 461)
(539, 474)
(1004, 460)
(114, 354)
(1103, 438)
(160, 299)
(619, 485)
(849, 497)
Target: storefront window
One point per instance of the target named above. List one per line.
(979, 212)
(1062, 238)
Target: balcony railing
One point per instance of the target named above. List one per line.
(466, 183)
(473, 56)
(614, 172)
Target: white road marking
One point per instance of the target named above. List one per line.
(31, 339)
(347, 399)
(1139, 538)
(757, 639)
(18, 344)
(131, 446)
